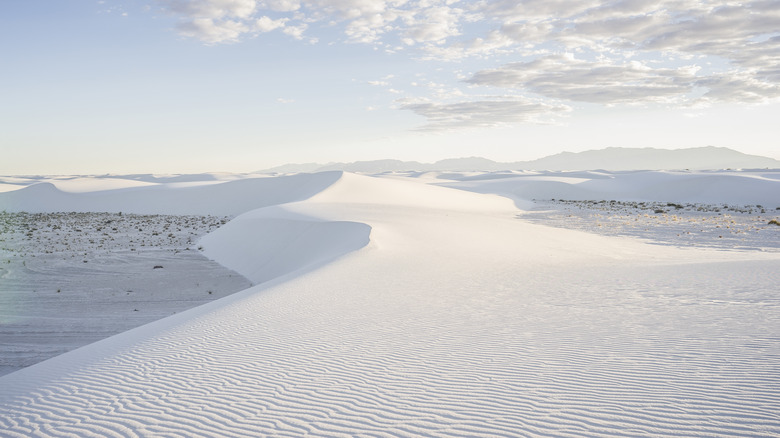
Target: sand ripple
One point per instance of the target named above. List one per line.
(292, 362)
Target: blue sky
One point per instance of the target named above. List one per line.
(179, 86)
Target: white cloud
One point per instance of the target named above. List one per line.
(628, 51)
(513, 10)
(281, 5)
(369, 28)
(482, 113)
(210, 31)
(567, 78)
(211, 8)
(433, 24)
(266, 24)
(364, 21)
(696, 28)
(739, 42)
(737, 86)
(295, 31)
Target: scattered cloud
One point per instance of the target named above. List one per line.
(295, 31)
(211, 31)
(738, 86)
(483, 113)
(280, 5)
(432, 25)
(112, 9)
(364, 21)
(567, 78)
(265, 24)
(741, 37)
(214, 9)
(611, 52)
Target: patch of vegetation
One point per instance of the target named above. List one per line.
(25, 234)
(742, 227)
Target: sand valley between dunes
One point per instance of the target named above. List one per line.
(69, 279)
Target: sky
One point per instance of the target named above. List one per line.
(177, 86)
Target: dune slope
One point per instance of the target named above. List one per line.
(227, 197)
(733, 187)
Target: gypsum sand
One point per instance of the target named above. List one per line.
(70, 279)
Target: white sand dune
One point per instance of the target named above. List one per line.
(223, 198)
(267, 243)
(398, 308)
(740, 187)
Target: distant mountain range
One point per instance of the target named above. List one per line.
(703, 158)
